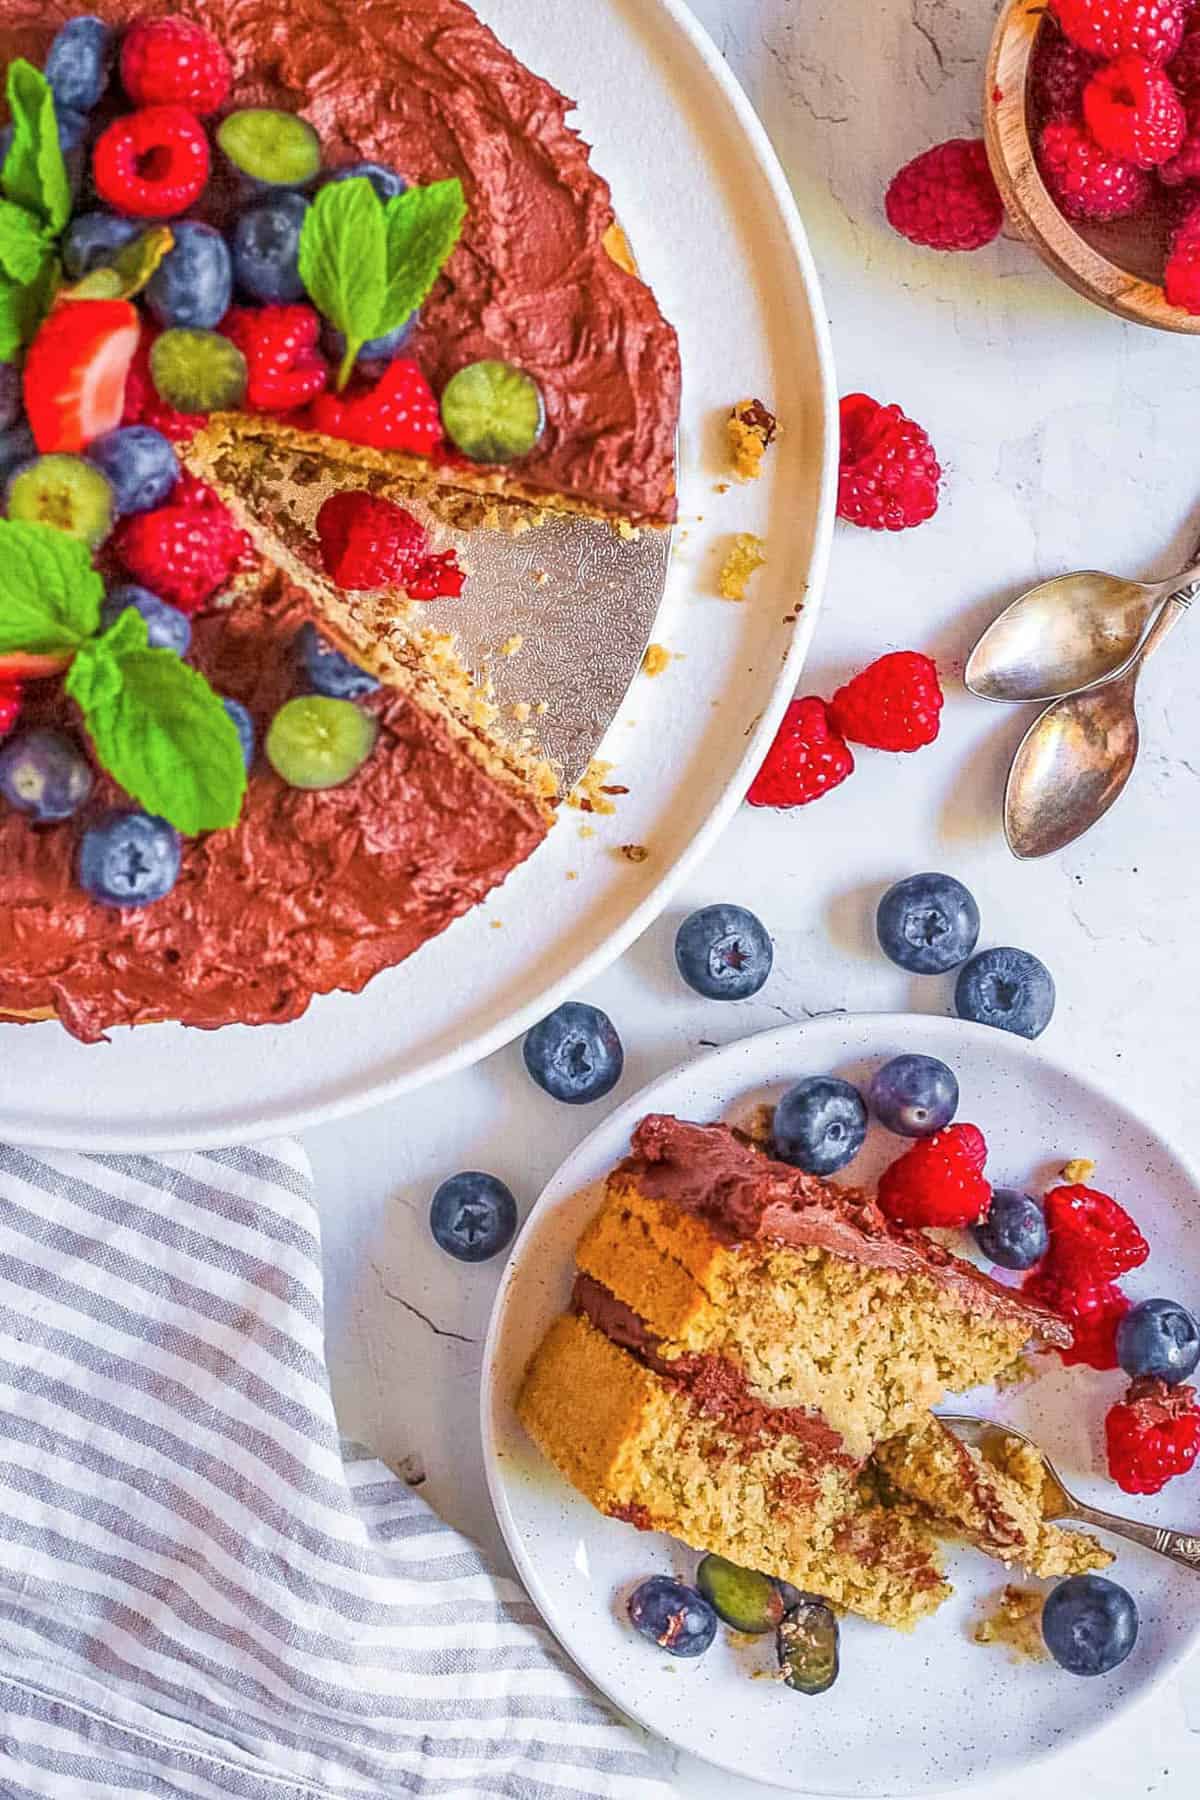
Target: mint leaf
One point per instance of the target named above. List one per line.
(158, 728)
(343, 261)
(423, 226)
(23, 247)
(50, 594)
(23, 305)
(34, 174)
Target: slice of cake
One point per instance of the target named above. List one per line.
(803, 1287)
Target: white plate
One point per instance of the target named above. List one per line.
(908, 1714)
(701, 194)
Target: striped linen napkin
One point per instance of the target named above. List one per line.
(203, 1591)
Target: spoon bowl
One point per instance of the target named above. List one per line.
(1070, 768)
(1065, 634)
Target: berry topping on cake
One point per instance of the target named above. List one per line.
(327, 671)
(1160, 1339)
(174, 61)
(284, 367)
(914, 1096)
(79, 63)
(151, 164)
(1091, 1234)
(1107, 28)
(139, 465)
(367, 542)
(723, 952)
(1132, 109)
(473, 1216)
(888, 473)
(806, 760)
(1092, 1306)
(927, 923)
(1089, 1624)
(946, 198)
(166, 627)
(144, 404)
(315, 742)
(819, 1125)
(387, 183)
(1013, 1236)
(45, 774)
(1152, 1436)
(1086, 181)
(492, 412)
(266, 249)
(185, 551)
(1010, 989)
(75, 372)
(574, 1054)
(273, 148)
(243, 724)
(193, 284)
(676, 1618)
(398, 413)
(895, 704)
(64, 492)
(128, 859)
(10, 703)
(198, 371)
(939, 1182)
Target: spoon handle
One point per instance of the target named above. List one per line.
(1174, 609)
(1180, 1546)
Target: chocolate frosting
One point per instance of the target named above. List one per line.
(745, 1197)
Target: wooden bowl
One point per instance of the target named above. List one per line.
(1119, 265)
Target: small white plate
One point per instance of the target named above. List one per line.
(908, 1714)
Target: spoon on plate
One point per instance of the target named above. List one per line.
(1066, 634)
(1075, 759)
(1059, 1503)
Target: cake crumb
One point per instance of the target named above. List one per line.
(540, 577)
(572, 874)
(1016, 1374)
(758, 1128)
(589, 794)
(722, 487)
(1080, 1169)
(1015, 1622)
(521, 711)
(541, 709)
(747, 555)
(587, 831)
(656, 659)
(634, 853)
(497, 924)
(750, 428)
(511, 645)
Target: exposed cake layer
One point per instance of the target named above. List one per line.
(994, 1503)
(860, 1329)
(643, 1448)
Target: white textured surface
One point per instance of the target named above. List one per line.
(1068, 439)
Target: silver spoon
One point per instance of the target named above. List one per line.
(1059, 1503)
(1075, 759)
(1066, 634)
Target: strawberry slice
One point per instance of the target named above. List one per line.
(75, 372)
(25, 665)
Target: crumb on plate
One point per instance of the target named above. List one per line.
(747, 554)
(656, 659)
(1079, 1169)
(1015, 1623)
(634, 853)
(750, 427)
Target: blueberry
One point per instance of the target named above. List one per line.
(723, 952)
(140, 463)
(376, 350)
(806, 1644)
(575, 1053)
(245, 727)
(193, 284)
(266, 249)
(93, 239)
(11, 403)
(1158, 1338)
(1090, 1624)
(128, 859)
(16, 447)
(1013, 1234)
(914, 1096)
(72, 130)
(742, 1598)
(473, 1216)
(79, 62)
(1007, 988)
(928, 924)
(327, 671)
(45, 775)
(166, 627)
(673, 1616)
(385, 181)
(819, 1125)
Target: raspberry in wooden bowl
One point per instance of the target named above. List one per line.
(1092, 124)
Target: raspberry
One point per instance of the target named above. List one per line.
(173, 61)
(1091, 1236)
(1093, 1309)
(1085, 181)
(1184, 67)
(10, 706)
(185, 551)
(895, 704)
(1181, 275)
(285, 368)
(152, 164)
(946, 198)
(1107, 28)
(1184, 166)
(1058, 74)
(887, 473)
(1132, 109)
(145, 406)
(940, 1181)
(1152, 1436)
(398, 413)
(806, 760)
(371, 543)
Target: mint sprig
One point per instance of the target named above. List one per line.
(155, 724)
(367, 266)
(35, 207)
